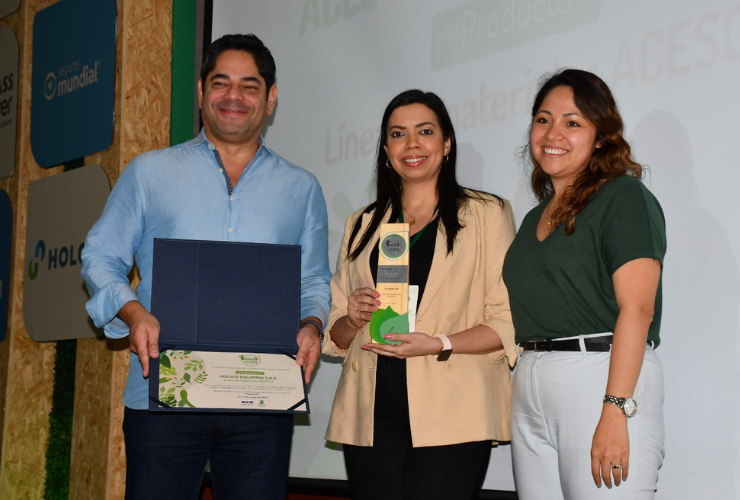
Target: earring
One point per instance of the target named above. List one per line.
(445, 158)
(388, 163)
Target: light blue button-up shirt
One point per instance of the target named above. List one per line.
(181, 192)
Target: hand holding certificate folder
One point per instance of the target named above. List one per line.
(229, 313)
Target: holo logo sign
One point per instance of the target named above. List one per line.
(483, 27)
(55, 258)
(73, 80)
(61, 210)
(6, 242)
(8, 99)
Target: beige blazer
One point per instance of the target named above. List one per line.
(466, 398)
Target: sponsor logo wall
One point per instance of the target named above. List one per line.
(61, 211)
(73, 80)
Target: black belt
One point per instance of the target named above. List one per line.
(595, 344)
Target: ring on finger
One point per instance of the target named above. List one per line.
(617, 466)
(355, 306)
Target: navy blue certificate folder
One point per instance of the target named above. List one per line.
(224, 297)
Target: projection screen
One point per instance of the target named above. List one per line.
(674, 67)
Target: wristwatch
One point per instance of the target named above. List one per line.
(444, 355)
(317, 324)
(627, 405)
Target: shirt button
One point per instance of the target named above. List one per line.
(210, 146)
(231, 198)
(229, 230)
(354, 366)
(220, 169)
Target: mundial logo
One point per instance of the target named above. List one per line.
(50, 86)
(54, 258)
(69, 78)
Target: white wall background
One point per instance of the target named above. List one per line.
(674, 66)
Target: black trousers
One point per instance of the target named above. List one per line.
(392, 469)
(166, 453)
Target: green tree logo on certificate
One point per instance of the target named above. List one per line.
(250, 359)
(178, 371)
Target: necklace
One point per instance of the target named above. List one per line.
(417, 235)
(413, 217)
(550, 227)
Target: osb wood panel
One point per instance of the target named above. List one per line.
(30, 364)
(142, 123)
(90, 429)
(3, 384)
(147, 47)
(116, 458)
(10, 186)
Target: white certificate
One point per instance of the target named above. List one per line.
(231, 381)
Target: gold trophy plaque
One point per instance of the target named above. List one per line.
(393, 283)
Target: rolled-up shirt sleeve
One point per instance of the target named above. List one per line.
(109, 252)
(315, 274)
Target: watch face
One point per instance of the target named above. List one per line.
(630, 407)
(444, 355)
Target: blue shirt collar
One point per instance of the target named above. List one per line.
(202, 140)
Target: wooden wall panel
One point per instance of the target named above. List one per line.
(142, 107)
(142, 123)
(30, 364)
(10, 186)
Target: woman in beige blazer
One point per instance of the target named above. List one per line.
(417, 421)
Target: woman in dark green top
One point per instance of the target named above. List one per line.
(583, 275)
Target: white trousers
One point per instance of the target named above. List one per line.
(556, 405)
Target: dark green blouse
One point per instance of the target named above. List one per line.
(562, 286)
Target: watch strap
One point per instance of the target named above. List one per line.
(317, 324)
(620, 403)
(444, 355)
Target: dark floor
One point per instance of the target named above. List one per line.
(207, 494)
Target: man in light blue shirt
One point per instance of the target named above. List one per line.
(223, 185)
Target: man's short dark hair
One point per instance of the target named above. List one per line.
(247, 43)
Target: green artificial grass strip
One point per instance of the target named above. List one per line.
(56, 485)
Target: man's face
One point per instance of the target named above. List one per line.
(233, 101)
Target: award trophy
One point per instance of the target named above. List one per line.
(393, 283)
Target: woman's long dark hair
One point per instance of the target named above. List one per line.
(451, 196)
(612, 159)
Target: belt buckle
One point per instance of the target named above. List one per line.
(544, 345)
